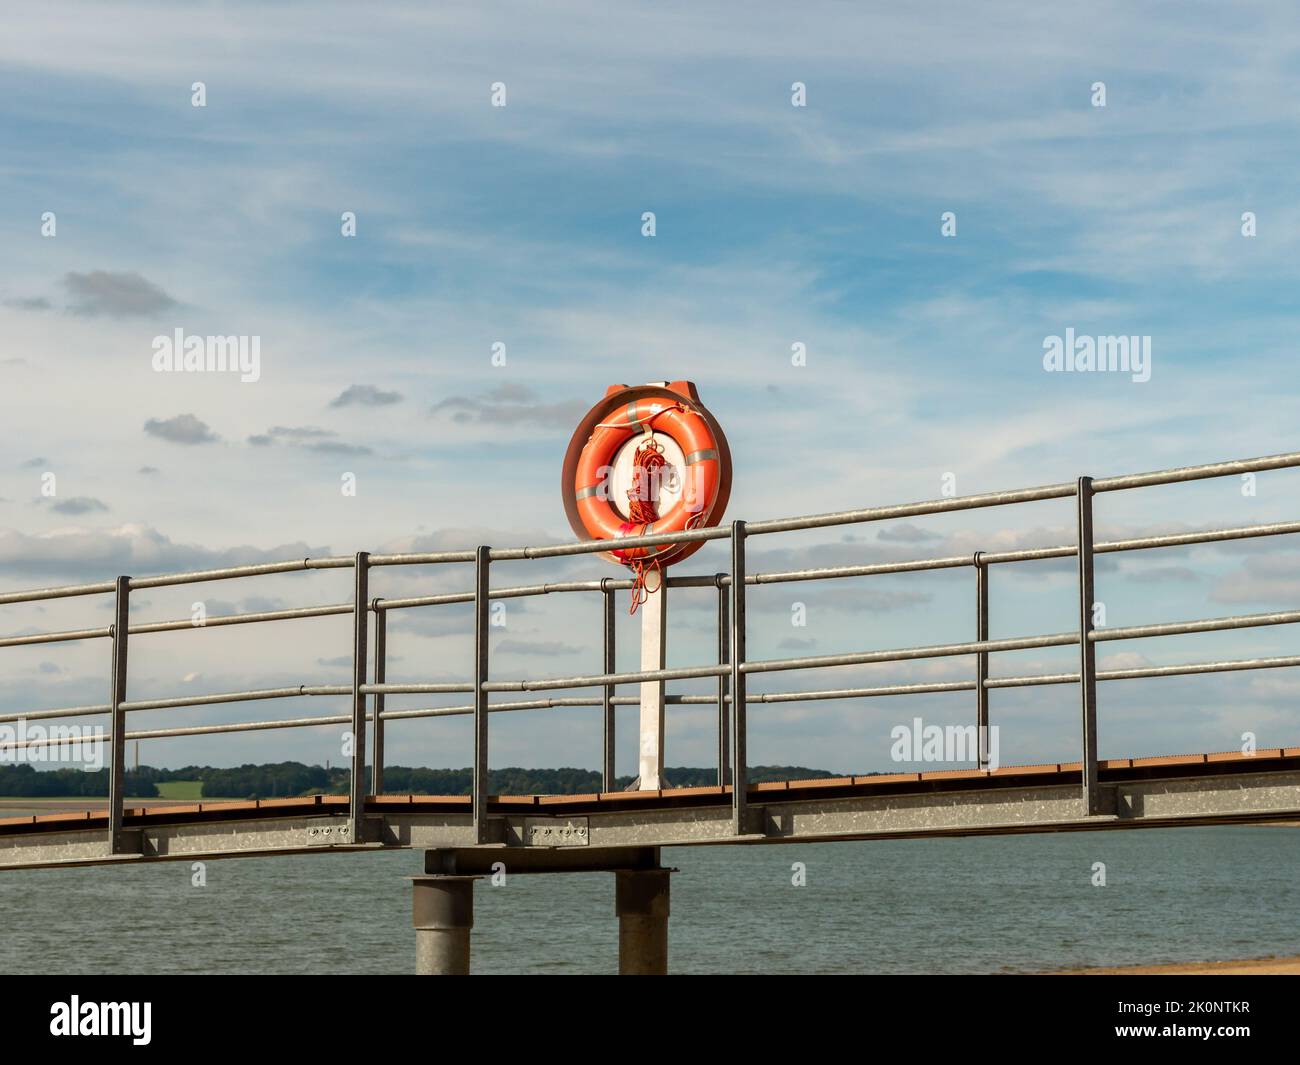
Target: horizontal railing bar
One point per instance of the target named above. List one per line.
(241, 619)
(1025, 495)
(165, 579)
(1184, 669)
(584, 547)
(245, 726)
(1141, 672)
(549, 704)
(1181, 628)
(246, 696)
(468, 710)
(1200, 667)
(64, 711)
(496, 593)
(1022, 643)
(291, 693)
(304, 722)
(306, 689)
(831, 572)
(455, 688)
(56, 637)
(602, 679)
(189, 730)
(250, 696)
(1034, 554)
(255, 570)
(1024, 555)
(1019, 643)
(1229, 666)
(857, 693)
(1196, 473)
(339, 719)
(238, 697)
(179, 625)
(37, 594)
(1034, 680)
(697, 580)
(908, 510)
(422, 559)
(1206, 536)
(1232, 665)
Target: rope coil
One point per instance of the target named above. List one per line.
(643, 509)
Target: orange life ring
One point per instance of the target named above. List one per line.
(650, 412)
(699, 475)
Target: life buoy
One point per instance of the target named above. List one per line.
(672, 464)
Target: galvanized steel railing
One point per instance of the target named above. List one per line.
(731, 671)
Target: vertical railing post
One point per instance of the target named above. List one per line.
(377, 702)
(1087, 651)
(117, 696)
(360, 630)
(608, 721)
(478, 802)
(724, 656)
(981, 660)
(739, 770)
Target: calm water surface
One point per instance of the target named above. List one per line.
(998, 904)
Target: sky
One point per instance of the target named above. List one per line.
(950, 193)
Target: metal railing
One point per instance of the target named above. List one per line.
(731, 671)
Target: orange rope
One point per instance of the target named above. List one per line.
(640, 593)
(642, 510)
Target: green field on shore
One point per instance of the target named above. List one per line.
(181, 789)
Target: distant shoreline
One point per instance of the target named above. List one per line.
(1285, 966)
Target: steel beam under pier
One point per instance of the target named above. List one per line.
(443, 914)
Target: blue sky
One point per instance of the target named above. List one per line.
(522, 224)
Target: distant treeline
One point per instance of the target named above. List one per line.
(288, 779)
(24, 781)
(276, 780)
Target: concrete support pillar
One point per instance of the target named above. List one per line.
(641, 903)
(443, 911)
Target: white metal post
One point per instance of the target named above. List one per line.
(654, 629)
